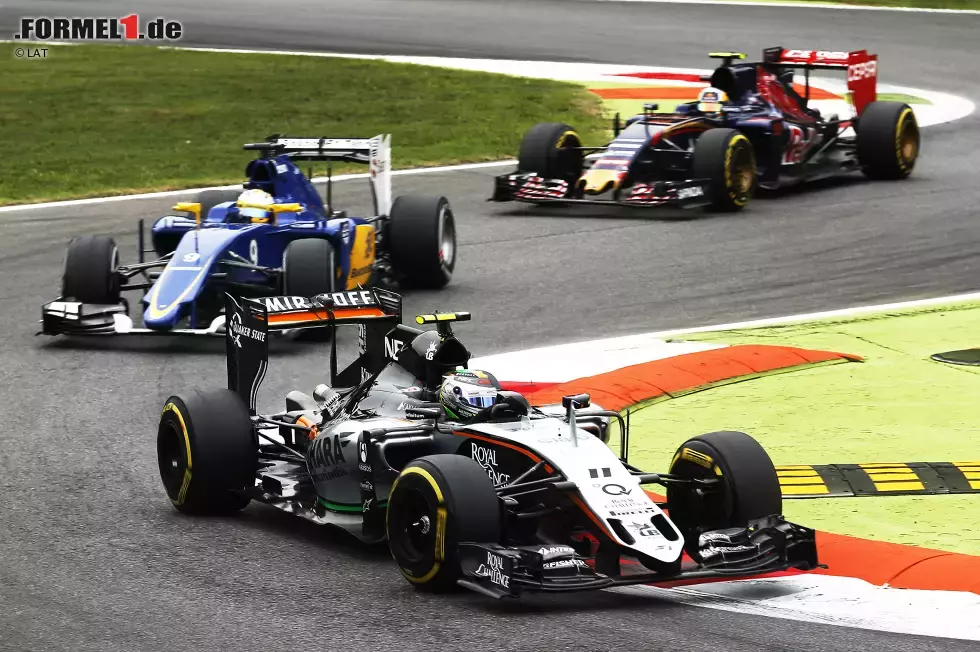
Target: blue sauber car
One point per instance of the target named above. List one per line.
(276, 236)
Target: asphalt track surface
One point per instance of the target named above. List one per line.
(94, 557)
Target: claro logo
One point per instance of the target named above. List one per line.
(859, 71)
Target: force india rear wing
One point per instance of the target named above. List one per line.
(249, 322)
(375, 152)
(861, 67)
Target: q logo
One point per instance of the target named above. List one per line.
(253, 252)
(615, 489)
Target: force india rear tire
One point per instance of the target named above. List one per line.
(422, 240)
(888, 140)
(309, 269)
(90, 274)
(749, 487)
(726, 158)
(547, 150)
(437, 502)
(207, 452)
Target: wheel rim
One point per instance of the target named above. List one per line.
(743, 177)
(171, 457)
(412, 531)
(908, 142)
(447, 239)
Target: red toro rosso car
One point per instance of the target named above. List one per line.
(749, 128)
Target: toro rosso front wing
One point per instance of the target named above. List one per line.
(767, 545)
(530, 188)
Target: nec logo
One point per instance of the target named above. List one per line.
(859, 71)
(393, 348)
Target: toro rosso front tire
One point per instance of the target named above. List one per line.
(887, 140)
(207, 452)
(437, 502)
(422, 240)
(748, 487)
(548, 149)
(90, 274)
(726, 158)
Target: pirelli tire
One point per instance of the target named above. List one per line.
(726, 159)
(748, 486)
(437, 502)
(888, 140)
(91, 270)
(309, 268)
(422, 240)
(548, 149)
(207, 452)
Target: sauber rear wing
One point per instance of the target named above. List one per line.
(862, 69)
(249, 322)
(375, 152)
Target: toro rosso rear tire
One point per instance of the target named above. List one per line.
(422, 240)
(726, 158)
(207, 452)
(435, 503)
(748, 487)
(887, 140)
(309, 269)
(547, 150)
(91, 275)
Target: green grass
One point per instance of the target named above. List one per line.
(897, 406)
(98, 119)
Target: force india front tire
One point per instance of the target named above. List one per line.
(422, 240)
(748, 487)
(726, 158)
(437, 502)
(887, 140)
(207, 452)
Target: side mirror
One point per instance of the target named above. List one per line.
(579, 401)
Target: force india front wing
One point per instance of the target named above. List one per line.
(530, 188)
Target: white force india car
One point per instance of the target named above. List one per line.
(514, 498)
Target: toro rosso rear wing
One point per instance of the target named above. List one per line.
(375, 152)
(861, 67)
(249, 321)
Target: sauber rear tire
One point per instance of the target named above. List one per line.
(436, 502)
(748, 487)
(727, 159)
(422, 240)
(90, 275)
(887, 140)
(309, 269)
(547, 150)
(207, 452)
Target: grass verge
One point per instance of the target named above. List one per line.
(897, 406)
(100, 119)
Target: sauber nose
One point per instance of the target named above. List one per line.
(596, 182)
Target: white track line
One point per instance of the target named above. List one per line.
(174, 193)
(841, 601)
(803, 5)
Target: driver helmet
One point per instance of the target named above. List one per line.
(711, 99)
(255, 204)
(464, 393)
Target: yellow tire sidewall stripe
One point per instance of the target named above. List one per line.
(441, 515)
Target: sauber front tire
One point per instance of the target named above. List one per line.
(90, 274)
